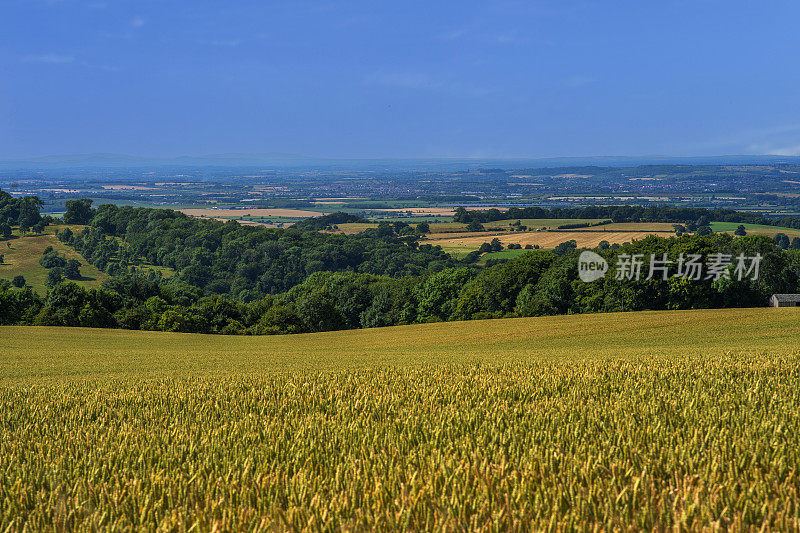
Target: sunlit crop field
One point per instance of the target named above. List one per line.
(543, 239)
(620, 421)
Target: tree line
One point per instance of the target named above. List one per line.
(537, 283)
(624, 213)
(234, 279)
(244, 262)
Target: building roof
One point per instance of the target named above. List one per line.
(787, 297)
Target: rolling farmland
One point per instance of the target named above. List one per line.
(633, 420)
(236, 213)
(544, 239)
(621, 232)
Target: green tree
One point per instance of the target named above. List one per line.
(29, 212)
(317, 311)
(438, 295)
(565, 247)
(65, 235)
(462, 215)
(475, 226)
(78, 211)
(172, 320)
(52, 259)
(494, 291)
(703, 231)
(782, 240)
(55, 276)
(72, 269)
(18, 281)
(740, 231)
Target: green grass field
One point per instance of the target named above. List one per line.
(503, 254)
(755, 229)
(23, 254)
(652, 420)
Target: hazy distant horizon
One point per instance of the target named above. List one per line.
(245, 160)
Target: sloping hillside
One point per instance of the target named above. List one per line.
(22, 254)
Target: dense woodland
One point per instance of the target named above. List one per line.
(236, 279)
(626, 213)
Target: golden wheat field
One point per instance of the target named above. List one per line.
(657, 420)
(544, 239)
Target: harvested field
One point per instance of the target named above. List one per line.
(227, 213)
(545, 239)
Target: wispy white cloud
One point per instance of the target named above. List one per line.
(137, 22)
(67, 60)
(509, 37)
(781, 139)
(55, 59)
(786, 150)
(453, 35)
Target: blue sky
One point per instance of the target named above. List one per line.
(399, 79)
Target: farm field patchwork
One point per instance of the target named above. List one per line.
(545, 239)
(422, 211)
(236, 213)
(651, 420)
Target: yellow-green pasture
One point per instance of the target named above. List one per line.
(657, 420)
(56, 353)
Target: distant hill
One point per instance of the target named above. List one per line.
(283, 160)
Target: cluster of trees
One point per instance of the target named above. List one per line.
(245, 262)
(582, 225)
(327, 221)
(626, 213)
(78, 211)
(782, 240)
(536, 283)
(59, 267)
(494, 246)
(22, 212)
